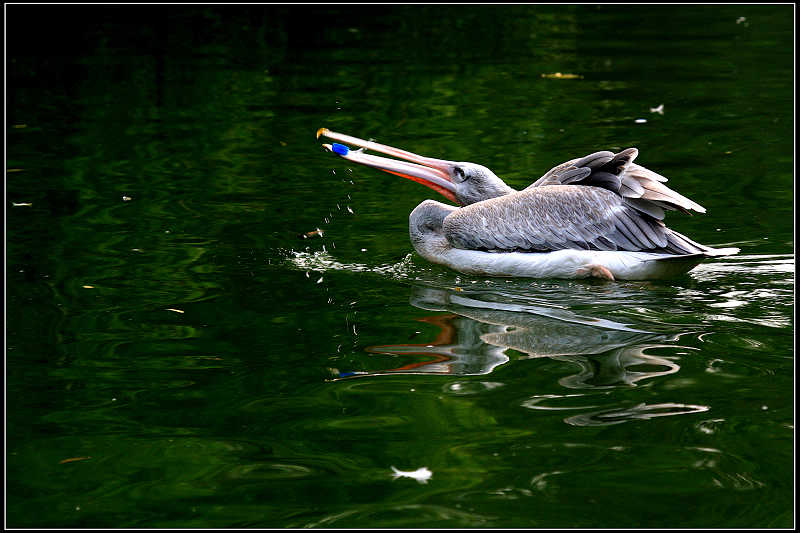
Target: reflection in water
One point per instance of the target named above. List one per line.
(476, 332)
(458, 349)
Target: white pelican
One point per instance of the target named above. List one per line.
(596, 216)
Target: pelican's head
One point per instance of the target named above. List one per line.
(460, 182)
(474, 183)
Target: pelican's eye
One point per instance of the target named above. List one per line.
(458, 174)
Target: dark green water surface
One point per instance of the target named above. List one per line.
(185, 350)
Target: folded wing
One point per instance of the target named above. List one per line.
(555, 217)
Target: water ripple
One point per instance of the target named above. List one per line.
(642, 411)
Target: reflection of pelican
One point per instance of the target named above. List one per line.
(477, 332)
(596, 216)
(459, 349)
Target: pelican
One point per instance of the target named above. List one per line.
(596, 216)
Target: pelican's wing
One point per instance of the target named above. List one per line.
(641, 188)
(561, 216)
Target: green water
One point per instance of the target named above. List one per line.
(181, 353)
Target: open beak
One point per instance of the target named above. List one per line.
(433, 173)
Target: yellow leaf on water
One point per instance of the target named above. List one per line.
(176, 310)
(73, 459)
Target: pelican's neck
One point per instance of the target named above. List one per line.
(425, 229)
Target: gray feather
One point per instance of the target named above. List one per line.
(634, 189)
(650, 208)
(594, 160)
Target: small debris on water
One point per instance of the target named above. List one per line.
(422, 475)
(126, 198)
(175, 310)
(560, 76)
(315, 233)
(640, 120)
(659, 109)
(21, 204)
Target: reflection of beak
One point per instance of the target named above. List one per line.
(433, 173)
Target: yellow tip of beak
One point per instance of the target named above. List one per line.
(321, 131)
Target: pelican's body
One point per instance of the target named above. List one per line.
(598, 216)
(430, 241)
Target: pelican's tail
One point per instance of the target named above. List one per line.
(683, 246)
(718, 252)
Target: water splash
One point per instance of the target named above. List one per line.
(323, 262)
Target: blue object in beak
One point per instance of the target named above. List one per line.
(340, 149)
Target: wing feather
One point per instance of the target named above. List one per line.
(651, 208)
(619, 174)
